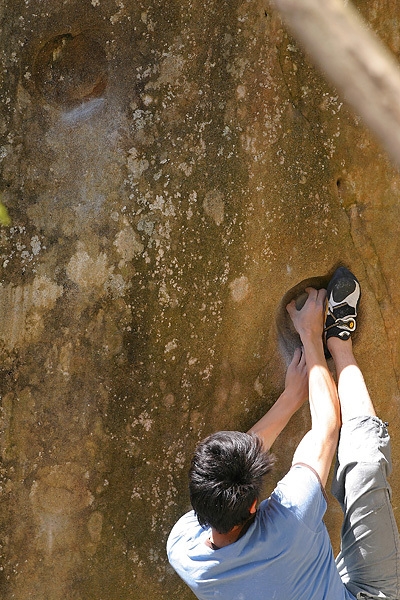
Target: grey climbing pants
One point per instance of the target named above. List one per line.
(369, 559)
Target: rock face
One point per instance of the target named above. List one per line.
(173, 171)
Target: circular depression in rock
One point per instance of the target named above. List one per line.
(69, 70)
(288, 337)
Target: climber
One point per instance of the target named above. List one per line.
(231, 546)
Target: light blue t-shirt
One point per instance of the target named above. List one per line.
(286, 553)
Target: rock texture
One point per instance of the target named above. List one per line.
(173, 171)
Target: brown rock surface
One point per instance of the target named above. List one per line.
(172, 170)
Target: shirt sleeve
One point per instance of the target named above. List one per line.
(301, 492)
(187, 528)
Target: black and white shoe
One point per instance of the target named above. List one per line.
(343, 296)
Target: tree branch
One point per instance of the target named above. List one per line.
(354, 59)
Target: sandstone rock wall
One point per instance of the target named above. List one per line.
(171, 170)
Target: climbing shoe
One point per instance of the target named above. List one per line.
(343, 295)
